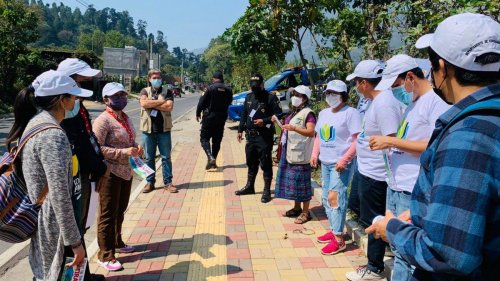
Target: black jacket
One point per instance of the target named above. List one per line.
(91, 162)
(265, 105)
(217, 98)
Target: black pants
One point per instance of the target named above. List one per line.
(353, 203)
(212, 127)
(258, 150)
(372, 196)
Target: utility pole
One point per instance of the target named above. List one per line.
(182, 71)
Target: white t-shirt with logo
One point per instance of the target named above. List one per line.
(418, 124)
(335, 130)
(381, 119)
(363, 105)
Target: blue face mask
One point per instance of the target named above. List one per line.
(156, 83)
(402, 95)
(74, 112)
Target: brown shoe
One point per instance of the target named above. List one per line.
(148, 188)
(171, 188)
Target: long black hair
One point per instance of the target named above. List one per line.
(25, 107)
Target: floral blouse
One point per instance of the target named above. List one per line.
(114, 141)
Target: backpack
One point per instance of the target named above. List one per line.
(18, 215)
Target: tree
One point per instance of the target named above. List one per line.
(418, 17)
(273, 27)
(218, 57)
(18, 24)
(93, 41)
(114, 39)
(141, 29)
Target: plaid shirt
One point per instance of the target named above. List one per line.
(455, 212)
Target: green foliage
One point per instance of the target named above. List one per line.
(420, 17)
(219, 57)
(17, 29)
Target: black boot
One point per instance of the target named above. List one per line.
(248, 188)
(211, 159)
(266, 194)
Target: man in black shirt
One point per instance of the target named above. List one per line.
(259, 107)
(213, 104)
(156, 123)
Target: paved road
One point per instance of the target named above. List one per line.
(181, 106)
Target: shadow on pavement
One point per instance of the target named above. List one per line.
(197, 185)
(198, 243)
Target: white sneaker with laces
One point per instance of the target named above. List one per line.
(363, 273)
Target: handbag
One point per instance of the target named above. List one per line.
(18, 215)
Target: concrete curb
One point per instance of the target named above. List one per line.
(14, 254)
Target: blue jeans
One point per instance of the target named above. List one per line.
(164, 143)
(397, 202)
(337, 182)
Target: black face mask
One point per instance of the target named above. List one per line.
(438, 90)
(256, 89)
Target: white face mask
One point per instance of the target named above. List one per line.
(333, 100)
(296, 101)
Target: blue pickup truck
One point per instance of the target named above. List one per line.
(279, 85)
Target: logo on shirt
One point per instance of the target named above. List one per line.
(403, 130)
(327, 133)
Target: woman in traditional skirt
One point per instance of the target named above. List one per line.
(294, 174)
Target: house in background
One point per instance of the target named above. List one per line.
(128, 63)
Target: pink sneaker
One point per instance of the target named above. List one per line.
(326, 238)
(126, 249)
(333, 247)
(113, 265)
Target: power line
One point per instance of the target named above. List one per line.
(83, 3)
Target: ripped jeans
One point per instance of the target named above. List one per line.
(335, 182)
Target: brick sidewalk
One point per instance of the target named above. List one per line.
(205, 232)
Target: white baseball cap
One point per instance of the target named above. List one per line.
(112, 88)
(303, 90)
(394, 66)
(461, 38)
(367, 69)
(336, 86)
(72, 66)
(53, 83)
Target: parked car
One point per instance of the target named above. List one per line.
(279, 85)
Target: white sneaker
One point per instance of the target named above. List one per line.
(113, 265)
(363, 273)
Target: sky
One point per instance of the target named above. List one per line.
(189, 24)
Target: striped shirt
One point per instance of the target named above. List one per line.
(455, 211)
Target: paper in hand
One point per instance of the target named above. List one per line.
(139, 167)
(74, 273)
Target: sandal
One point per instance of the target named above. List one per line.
(303, 218)
(293, 213)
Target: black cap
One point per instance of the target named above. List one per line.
(256, 79)
(218, 75)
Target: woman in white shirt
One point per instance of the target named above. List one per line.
(335, 146)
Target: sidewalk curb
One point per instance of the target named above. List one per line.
(13, 255)
(19, 251)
